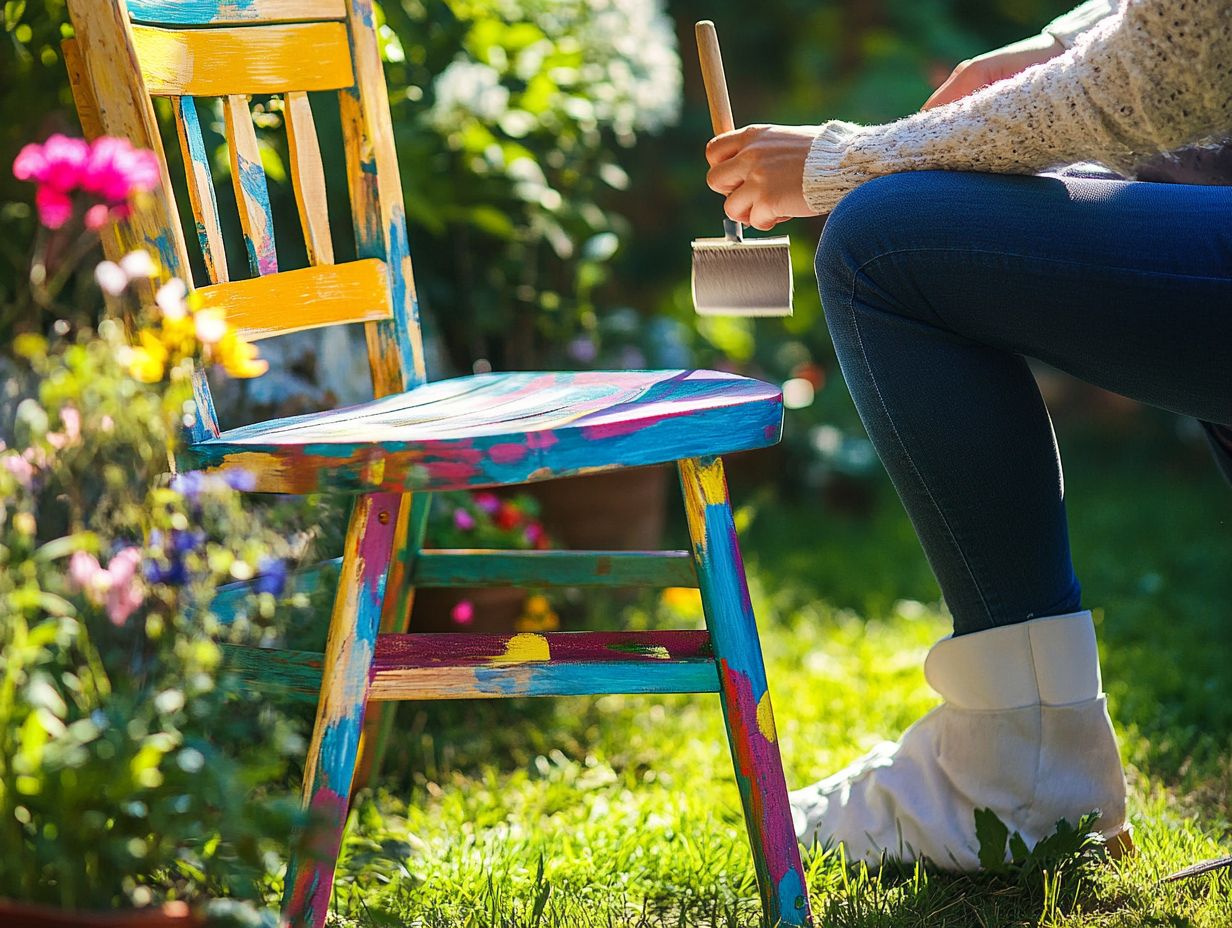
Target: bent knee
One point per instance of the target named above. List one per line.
(859, 229)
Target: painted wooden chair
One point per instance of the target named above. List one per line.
(417, 437)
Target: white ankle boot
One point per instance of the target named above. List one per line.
(1024, 731)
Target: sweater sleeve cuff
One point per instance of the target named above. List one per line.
(1068, 26)
(825, 180)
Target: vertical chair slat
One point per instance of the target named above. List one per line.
(201, 189)
(251, 192)
(308, 177)
(395, 349)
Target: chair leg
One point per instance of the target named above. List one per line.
(395, 618)
(349, 649)
(744, 693)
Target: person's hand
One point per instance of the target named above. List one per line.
(760, 169)
(994, 66)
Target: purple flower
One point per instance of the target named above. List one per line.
(194, 483)
(463, 520)
(190, 484)
(242, 481)
(582, 349)
(271, 576)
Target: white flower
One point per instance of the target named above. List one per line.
(468, 88)
(170, 298)
(211, 326)
(138, 264)
(111, 278)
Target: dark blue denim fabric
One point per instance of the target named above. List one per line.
(937, 286)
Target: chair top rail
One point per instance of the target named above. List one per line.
(233, 12)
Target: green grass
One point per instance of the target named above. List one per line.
(623, 811)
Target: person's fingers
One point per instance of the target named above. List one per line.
(739, 204)
(727, 145)
(763, 218)
(727, 175)
(965, 79)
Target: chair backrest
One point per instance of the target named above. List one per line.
(126, 53)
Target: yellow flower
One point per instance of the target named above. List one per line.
(681, 598)
(237, 357)
(147, 361)
(178, 336)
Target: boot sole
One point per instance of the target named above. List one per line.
(1120, 844)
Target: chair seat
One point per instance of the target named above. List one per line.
(502, 428)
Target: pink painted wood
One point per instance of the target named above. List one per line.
(453, 650)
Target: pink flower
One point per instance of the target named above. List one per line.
(117, 587)
(69, 435)
(115, 170)
(97, 216)
(488, 502)
(19, 467)
(125, 593)
(57, 163)
(86, 574)
(109, 170)
(463, 520)
(463, 613)
(533, 533)
(55, 207)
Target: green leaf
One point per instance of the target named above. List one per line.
(992, 834)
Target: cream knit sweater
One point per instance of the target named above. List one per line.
(1147, 76)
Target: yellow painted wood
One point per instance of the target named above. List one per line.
(187, 13)
(243, 60)
(201, 193)
(306, 298)
(248, 179)
(308, 177)
(83, 92)
(125, 109)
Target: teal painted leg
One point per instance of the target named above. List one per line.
(744, 693)
(349, 650)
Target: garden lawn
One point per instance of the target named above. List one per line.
(623, 811)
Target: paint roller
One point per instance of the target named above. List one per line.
(732, 275)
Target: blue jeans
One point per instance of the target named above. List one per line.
(938, 285)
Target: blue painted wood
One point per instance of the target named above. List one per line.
(201, 188)
(500, 429)
(205, 423)
(562, 678)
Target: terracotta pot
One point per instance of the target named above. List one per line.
(496, 610)
(620, 510)
(24, 915)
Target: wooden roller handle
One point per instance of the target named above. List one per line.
(713, 77)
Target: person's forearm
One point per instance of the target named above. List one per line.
(1151, 78)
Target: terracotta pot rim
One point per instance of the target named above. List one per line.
(37, 915)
